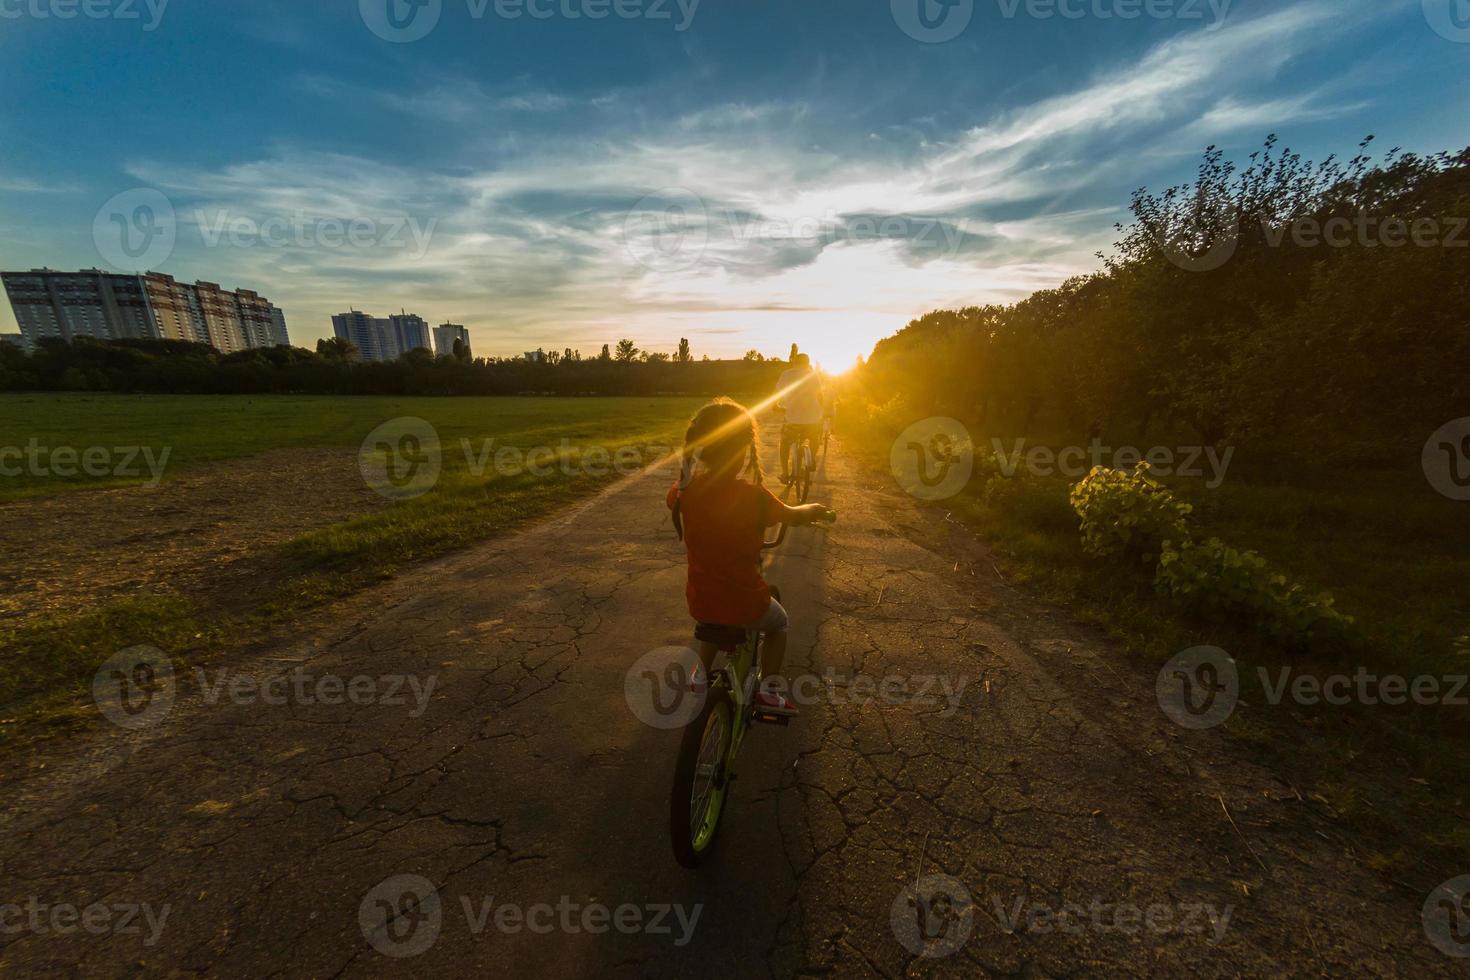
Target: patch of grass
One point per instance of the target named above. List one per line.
(47, 665)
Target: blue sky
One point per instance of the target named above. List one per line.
(740, 172)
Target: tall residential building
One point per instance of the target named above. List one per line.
(446, 334)
(90, 303)
(379, 339)
(107, 306)
(411, 332)
(175, 308)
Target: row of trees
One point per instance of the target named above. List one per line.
(168, 366)
(1313, 310)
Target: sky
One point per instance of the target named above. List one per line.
(743, 173)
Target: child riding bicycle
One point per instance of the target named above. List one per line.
(722, 520)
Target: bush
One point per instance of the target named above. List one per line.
(1128, 514)
(1132, 514)
(1219, 582)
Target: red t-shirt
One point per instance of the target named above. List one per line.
(725, 521)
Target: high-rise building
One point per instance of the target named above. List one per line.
(378, 339)
(109, 306)
(262, 324)
(90, 303)
(410, 332)
(175, 308)
(446, 334)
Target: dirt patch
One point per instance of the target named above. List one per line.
(211, 533)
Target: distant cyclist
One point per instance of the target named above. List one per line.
(800, 393)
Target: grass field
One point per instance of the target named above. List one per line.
(1394, 553)
(46, 662)
(196, 429)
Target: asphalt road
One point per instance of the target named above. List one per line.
(511, 820)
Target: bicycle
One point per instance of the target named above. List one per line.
(806, 465)
(711, 742)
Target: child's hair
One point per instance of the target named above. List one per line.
(721, 435)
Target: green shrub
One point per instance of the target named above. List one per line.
(1128, 514)
(1220, 582)
(1462, 645)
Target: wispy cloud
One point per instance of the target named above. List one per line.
(790, 235)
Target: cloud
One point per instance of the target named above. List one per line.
(556, 239)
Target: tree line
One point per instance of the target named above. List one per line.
(1315, 310)
(334, 368)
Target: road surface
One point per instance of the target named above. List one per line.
(511, 820)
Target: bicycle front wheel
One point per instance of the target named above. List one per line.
(701, 779)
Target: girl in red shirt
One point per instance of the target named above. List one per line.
(723, 520)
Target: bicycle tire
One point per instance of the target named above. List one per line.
(692, 847)
(803, 473)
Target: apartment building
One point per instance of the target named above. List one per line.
(108, 306)
(446, 334)
(383, 338)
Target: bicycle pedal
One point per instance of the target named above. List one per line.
(772, 718)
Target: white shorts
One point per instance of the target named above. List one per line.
(774, 621)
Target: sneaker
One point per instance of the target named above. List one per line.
(775, 704)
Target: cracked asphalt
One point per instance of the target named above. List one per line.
(1091, 835)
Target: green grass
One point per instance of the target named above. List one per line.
(197, 429)
(1395, 554)
(46, 665)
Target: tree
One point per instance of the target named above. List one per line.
(460, 354)
(793, 353)
(754, 355)
(627, 352)
(655, 357)
(682, 355)
(605, 355)
(338, 350)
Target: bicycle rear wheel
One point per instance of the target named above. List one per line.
(701, 779)
(805, 465)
